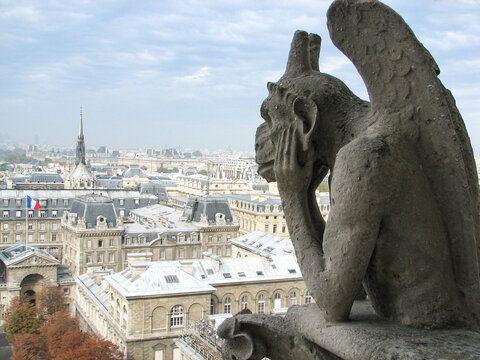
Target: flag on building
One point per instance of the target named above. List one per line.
(32, 204)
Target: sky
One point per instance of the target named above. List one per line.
(188, 73)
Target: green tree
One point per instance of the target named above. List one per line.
(203, 172)
(22, 320)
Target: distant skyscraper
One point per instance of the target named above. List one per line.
(80, 143)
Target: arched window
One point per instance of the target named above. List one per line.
(244, 302)
(227, 306)
(176, 316)
(308, 297)
(261, 304)
(277, 301)
(293, 298)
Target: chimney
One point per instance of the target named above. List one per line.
(186, 265)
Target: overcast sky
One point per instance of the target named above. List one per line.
(188, 73)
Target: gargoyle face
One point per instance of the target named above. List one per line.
(273, 111)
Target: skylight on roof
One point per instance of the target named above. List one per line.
(209, 271)
(274, 266)
(241, 274)
(227, 275)
(292, 271)
(171, 279)
(268, 249)
(260, 273)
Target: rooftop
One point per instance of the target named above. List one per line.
(264, 244)
(19, 252)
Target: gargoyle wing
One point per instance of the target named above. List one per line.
(410, 103)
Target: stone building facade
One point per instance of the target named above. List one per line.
(27, 271)
(146, 306)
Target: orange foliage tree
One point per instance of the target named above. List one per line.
(60, 338)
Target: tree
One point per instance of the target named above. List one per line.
(49, 301)
(22, 320)
(203, 172)
(60, 338)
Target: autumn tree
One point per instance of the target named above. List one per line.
(60, 338)
(49, 301)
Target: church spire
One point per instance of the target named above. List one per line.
(80, 156)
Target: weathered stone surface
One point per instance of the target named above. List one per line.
(404, 217)
(364, 337)
(403, 184)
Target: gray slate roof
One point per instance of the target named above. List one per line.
(208, 206)
(90, 207)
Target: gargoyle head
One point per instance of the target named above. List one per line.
(301, 97)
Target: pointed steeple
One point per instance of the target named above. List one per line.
(80, 158)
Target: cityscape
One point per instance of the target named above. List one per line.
(133, 218)
(151, 248)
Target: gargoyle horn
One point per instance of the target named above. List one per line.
(304, 54)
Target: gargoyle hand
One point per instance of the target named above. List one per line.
(291, 175)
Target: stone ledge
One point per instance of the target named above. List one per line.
(367, 337)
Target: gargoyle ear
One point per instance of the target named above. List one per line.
(305, 111)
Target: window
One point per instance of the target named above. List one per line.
(43, 213)
(54, 237)
(244, 302)
(283, 228)
(260, 273)
(30, 237)
(5, 226)
(89, 244)
(292, 271)
(158, 354)
(171, 279)
(266, 227)
(181, 253)
(100, 243)
(111, 257)
(5, 238)
(137, 201)
(5, 202)
(227, 306)
(212, 306)
(65, 202)
(30, 213)
(18, 213)
(17, 238)
(227, 275)
(5, 213)
(54, 250)
(42, 226)
(42, 237)
(100, 258)
(54, 202)
(112, 243)
(241, 273)
(210, 238)
(274, 228)
(228, 251)
(194, 252)
(308, 298)
(176, 316)
(43, 203)
(66, 291)
(89, 258)
(54, 226)
(277, 301)
(54, 213)
(219, 238)
(122, 202)
(18, 226)
(18, 202)
(293, 298)
(219, 251)
(122, 213)
(30, 226)
(261, 304)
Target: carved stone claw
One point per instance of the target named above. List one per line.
(239, 345)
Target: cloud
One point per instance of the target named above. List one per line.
(196, 78)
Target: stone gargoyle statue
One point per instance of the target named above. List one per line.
(404, 217)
